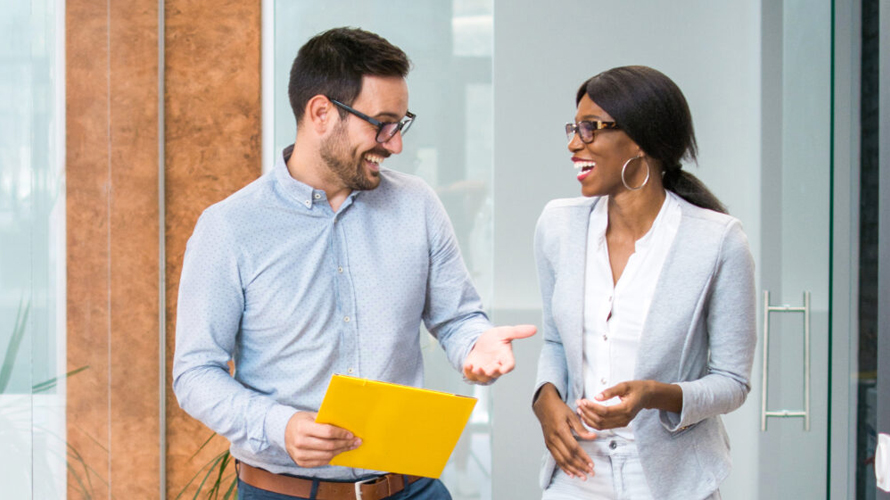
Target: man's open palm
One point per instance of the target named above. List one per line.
(492, 356)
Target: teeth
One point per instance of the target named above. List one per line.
(579, 165)
(374, 159)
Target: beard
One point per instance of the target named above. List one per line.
(347, 165)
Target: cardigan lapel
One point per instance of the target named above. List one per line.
(574, 257)
(676, 300)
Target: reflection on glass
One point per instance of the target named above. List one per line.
(32, 419)
(867, 397)
(450, 147)
(471, 28)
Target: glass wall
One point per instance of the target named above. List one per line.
(32, 253)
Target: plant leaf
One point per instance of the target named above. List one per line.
(49, 384)
(12, 350)
(195, 454)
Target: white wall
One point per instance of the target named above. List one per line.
(543, 52)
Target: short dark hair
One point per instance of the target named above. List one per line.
(334, 62)
(650, 108)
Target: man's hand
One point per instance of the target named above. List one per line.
(560, 426)
(492, 356)
(311, 444)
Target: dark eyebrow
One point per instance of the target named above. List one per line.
(387, 116)
(593, 118)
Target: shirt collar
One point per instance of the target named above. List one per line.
(599, 220)
(304, 194)
(666, 205)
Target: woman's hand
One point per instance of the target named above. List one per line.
(634, 396)
(560, 425)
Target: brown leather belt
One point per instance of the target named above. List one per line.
(373, 489)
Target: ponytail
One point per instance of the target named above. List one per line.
(691, 189)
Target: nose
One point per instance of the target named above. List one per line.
(394, 143)
(576, 143)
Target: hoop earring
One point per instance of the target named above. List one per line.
(624, 168)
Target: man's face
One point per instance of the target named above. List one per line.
(352, 152)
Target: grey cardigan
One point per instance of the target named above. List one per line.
(700, 333)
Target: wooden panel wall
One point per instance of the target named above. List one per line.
(213, 113)
(112, 207)
(88, 185)
(212, 140)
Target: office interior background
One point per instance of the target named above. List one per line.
(122, 121)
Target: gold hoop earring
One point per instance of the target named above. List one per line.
(624, 168)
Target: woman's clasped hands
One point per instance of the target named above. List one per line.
(616, 406)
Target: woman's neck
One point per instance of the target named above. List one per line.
(631, 213)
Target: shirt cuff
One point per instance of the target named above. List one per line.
(276, 424)
(676, 422)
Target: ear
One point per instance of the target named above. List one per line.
(637, 150)
(320, 114)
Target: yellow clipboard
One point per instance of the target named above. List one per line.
(404, 429)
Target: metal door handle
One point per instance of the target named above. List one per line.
(805, 413)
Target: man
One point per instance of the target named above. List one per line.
(326, 265)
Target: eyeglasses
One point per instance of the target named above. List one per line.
(586, 129)
(385, 130)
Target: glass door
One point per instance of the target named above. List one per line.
(795, 263)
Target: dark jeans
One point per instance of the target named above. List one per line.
(422, 489)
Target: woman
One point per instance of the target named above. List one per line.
(649, 305)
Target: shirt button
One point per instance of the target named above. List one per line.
(317, 196)
(340, 270)
(308, 203)
(350, 370)
(346, 319)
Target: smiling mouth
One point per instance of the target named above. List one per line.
(584, 166)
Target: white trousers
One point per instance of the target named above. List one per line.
(618, 474)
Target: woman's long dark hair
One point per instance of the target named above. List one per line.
(650, 108)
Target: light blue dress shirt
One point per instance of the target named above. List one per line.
(293, 292)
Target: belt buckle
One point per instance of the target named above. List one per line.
(358, 486)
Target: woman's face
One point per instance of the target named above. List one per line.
(599, 162)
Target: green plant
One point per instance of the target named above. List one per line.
(80, 471)
(15, 341)
(214, 471)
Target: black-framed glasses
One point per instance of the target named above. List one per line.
(385, 130)
(586, 129)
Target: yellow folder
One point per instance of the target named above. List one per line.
(404, 429)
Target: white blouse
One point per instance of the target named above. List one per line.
(614, 315)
